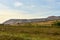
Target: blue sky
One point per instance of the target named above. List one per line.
(11, 9)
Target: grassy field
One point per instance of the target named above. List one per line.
(30, 32)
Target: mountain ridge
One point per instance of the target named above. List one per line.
(19, 21)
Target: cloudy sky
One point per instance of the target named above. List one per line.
(11, 9)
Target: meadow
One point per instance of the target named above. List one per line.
(31, 31)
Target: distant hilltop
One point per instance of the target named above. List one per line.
(19, 21)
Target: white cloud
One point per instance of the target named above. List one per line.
(17, 4)
(30, 7)
(2, 6)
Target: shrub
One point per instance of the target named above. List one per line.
(56, 23)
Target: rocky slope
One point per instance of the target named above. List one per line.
(19, 21)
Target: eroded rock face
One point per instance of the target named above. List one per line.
(19, 21)
(54, 17)
(15, 21)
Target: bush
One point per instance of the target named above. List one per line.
(56, 23)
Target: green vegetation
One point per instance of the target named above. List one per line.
(57, 23)
(30, 31)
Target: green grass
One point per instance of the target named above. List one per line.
(29, 32)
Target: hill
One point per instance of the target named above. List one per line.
(31, 29)
(20, 21)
